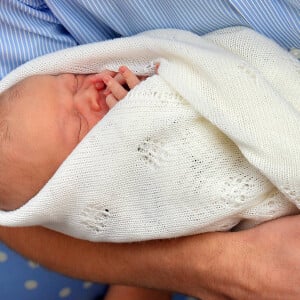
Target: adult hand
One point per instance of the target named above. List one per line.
(262, 263)
(272, 260)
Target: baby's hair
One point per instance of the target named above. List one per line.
(4, 111)
(4, 130)
(6, 99)
(3, 139)
(3, 120)
(17, 180)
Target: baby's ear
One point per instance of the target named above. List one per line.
(99, 76)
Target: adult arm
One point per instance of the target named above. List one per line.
(261, 263)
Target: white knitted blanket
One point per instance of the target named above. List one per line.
(210, 142)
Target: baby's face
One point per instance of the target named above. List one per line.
(48, 118)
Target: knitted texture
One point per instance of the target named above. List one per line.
(210, 142)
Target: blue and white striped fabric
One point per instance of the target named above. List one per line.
(29, 28)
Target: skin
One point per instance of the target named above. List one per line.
(65, 107)
(117, 292)
(49, 118)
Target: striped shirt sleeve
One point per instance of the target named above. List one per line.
(30, 28)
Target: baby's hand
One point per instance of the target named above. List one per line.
(118, 85)
(116, 89)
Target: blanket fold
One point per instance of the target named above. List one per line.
(210, 142)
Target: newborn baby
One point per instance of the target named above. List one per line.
(43, 118)
(209, 142)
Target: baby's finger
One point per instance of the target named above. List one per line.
(117, 90)
(131, 79)
(97, 79)
(119, 77)
(99, 76)
(111, 101)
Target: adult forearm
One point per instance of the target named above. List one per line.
(72, 257)
(165, 264)
(262, 263)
